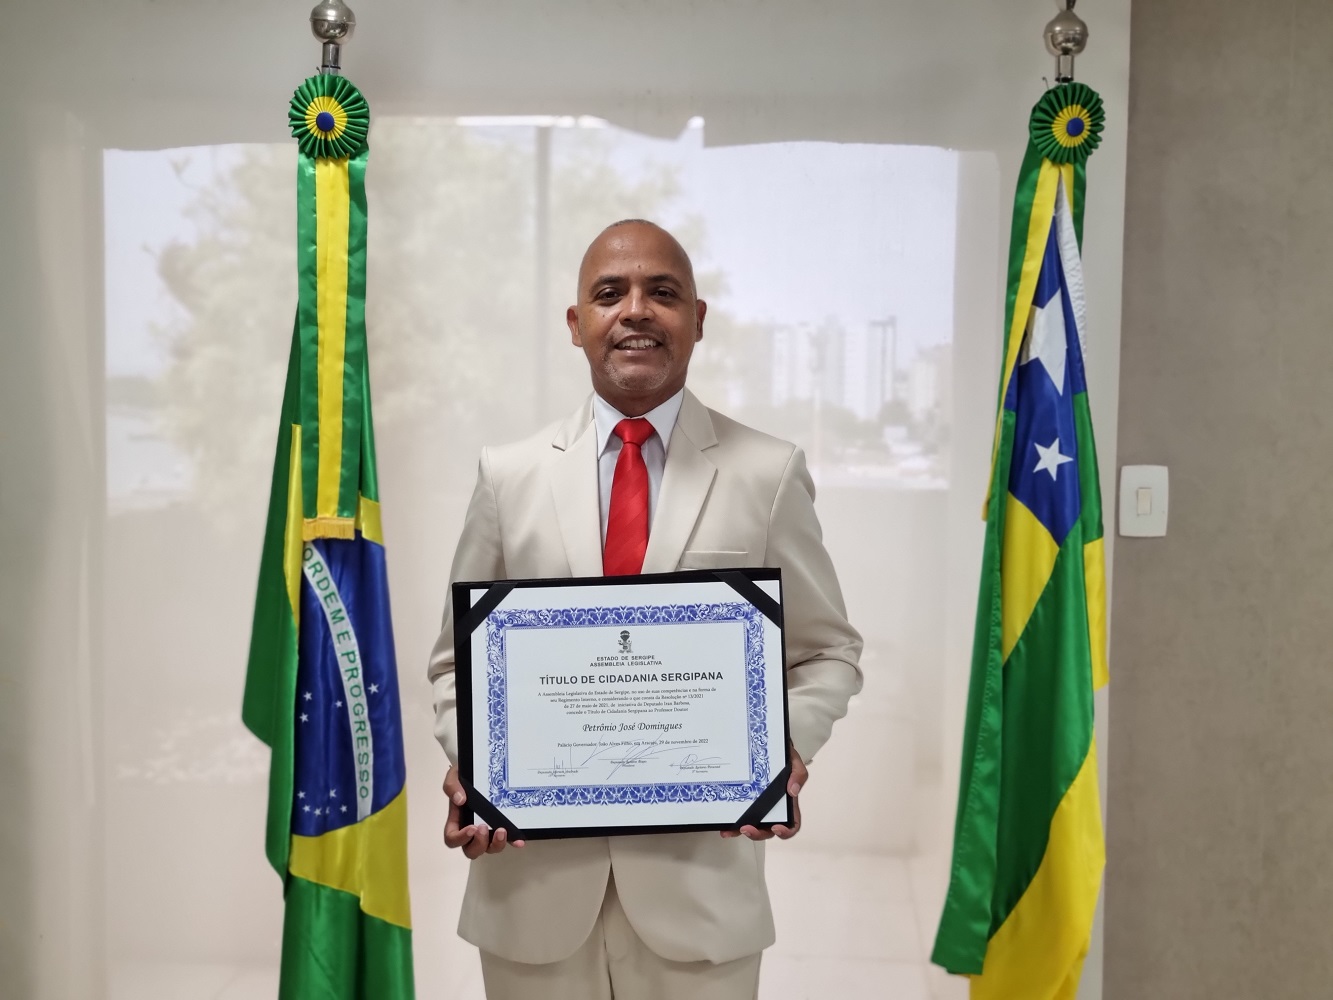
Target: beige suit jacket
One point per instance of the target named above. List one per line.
(730, 496)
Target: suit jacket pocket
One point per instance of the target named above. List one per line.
(714, 559)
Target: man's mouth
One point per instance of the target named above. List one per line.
(638, 344)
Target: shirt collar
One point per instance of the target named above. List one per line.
(662, 417)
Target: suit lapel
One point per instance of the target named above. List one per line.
(574, 490)
(686, 480)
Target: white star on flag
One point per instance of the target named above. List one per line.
(1051, 459)
(304, 717)
(337, 704)
(333, 793)
(305, 808)
(343, 808)
(319, 812)
(308, 696)
(300, 795)
(1046, 341)
(374, 689)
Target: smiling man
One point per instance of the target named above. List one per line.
(642, 477)
(638, 317)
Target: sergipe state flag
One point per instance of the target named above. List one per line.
(1028, 845)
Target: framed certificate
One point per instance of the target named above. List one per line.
(621, 705)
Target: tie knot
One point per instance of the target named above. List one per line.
(635, 431)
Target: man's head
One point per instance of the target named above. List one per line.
(637, 316)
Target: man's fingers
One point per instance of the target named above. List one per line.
(454, 836)
(477, 839)
(754, 833)
(787, 832)
(453, 788)
(476, 846)
(799, 775)
(498, 839)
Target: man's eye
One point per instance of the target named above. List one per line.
(666, 292)
(607, 294)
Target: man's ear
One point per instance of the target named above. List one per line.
(700, 308)
(572, 318)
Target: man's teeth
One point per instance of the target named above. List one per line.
(636, 344)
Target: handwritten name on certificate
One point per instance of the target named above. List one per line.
(631, 705)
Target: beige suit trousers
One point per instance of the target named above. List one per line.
(615, 964)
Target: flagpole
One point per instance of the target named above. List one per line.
(333, 23)
(1066, 37)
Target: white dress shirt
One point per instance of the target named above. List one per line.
(605, 417)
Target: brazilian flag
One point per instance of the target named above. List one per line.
(321, 688)
(1028, 845)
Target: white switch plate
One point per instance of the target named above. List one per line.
(1143, 501)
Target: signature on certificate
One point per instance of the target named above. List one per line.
(638, 754)
(692, 762)
(634, 755)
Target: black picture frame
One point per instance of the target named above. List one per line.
(467, 617)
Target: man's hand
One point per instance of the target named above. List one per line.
(475, 840)
(795, 783)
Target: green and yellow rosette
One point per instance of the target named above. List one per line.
(1066, 125)
(330, 120)
(1065, 128)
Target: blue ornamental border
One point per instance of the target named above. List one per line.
(499, 623)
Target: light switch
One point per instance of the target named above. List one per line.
(1143, 501)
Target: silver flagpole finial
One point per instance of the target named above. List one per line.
(1066, 36)
(332, 22)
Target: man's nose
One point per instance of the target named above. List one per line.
(638, 307)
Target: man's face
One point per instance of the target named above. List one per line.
(637, 317)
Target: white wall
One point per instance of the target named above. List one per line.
(82, 77)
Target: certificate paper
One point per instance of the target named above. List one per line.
(617, 705)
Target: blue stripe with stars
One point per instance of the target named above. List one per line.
(326, 756)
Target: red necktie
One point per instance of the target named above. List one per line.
(627, 520)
